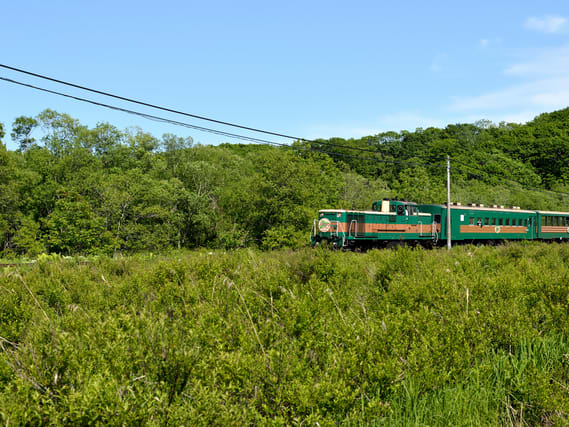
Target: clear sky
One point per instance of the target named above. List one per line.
(308, 68)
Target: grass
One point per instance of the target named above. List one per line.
(477, 336)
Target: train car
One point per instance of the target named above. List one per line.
(552, 225)
(481, 224)
(388, 223)
(398, 222)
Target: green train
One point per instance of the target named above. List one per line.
(392, 223)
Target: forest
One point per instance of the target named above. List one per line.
(74, 190)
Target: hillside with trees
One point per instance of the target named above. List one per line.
(102, 190)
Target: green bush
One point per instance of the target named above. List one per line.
(475, 336)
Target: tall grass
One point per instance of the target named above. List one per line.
(477, 336)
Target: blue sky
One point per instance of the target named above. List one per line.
(310, 69)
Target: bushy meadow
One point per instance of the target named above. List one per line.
(474, 336)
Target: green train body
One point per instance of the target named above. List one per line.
(394, 222)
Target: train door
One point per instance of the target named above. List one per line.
(532, 228)
(356, 224)
(435, 229)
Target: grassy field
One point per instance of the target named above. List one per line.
(477, 336)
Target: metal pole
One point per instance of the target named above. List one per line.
(448, 204)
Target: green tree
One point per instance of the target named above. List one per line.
(74, 228)
(22, 129)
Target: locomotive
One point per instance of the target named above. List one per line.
(392, 223)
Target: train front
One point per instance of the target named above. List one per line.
(330, 228)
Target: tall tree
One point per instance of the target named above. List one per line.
(22, 129)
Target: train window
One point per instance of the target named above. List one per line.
(479, 222)
(525, 222)
(392, 208)
(500, 221)
(516, 222)
(471, 220)
(486, 221)
(507, 221)
(493, 221)
(542, 221)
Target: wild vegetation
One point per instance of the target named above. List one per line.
(77, 190)
(101, 330)
(475, 336)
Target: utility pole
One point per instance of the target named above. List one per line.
(448, 204)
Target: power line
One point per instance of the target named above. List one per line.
(210, 130)
(195, 116)
(146, 104)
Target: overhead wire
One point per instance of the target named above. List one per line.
(195, 116)
(210, 130)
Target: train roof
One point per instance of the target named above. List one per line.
(483, 208)
(367, 212)
(553, 213)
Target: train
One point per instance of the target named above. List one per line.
(392, 223)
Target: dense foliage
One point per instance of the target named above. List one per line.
(476, 336)
(77, 190)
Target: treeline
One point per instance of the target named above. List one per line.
(102, 190)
